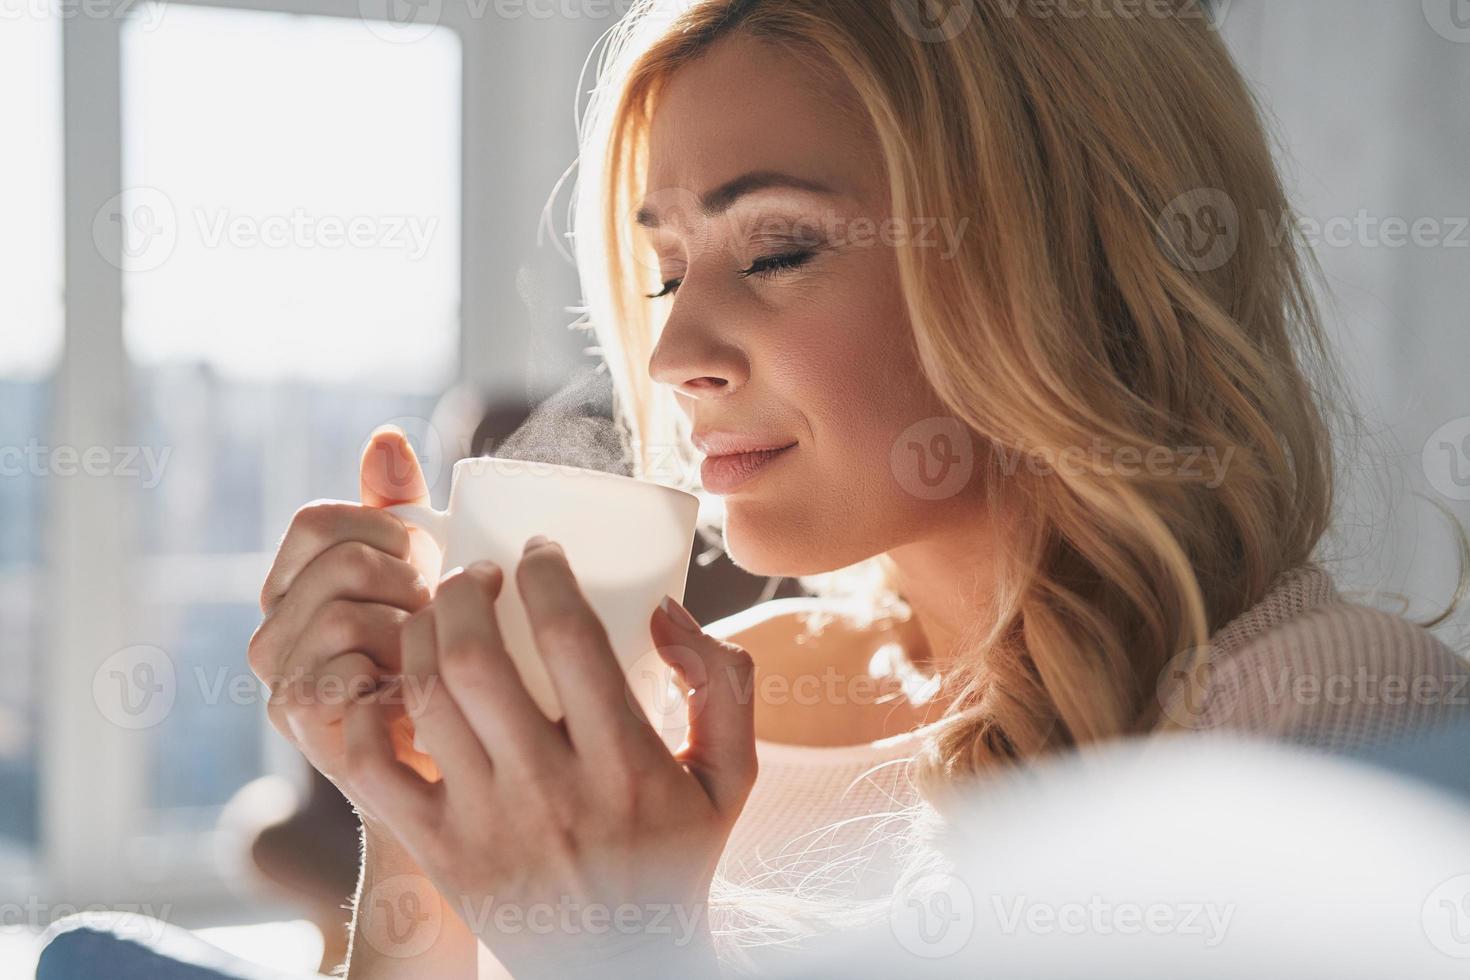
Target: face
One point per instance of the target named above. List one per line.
(785, 324)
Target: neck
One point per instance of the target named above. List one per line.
(947, 581)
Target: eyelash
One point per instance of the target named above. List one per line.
(765, 266)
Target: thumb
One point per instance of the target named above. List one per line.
(720, 677)
(390, 472)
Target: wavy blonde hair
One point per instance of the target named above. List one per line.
(1081, 149)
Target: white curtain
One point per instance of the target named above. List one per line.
(1371, 101)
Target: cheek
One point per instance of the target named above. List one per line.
(856, 379)
(846, 360)
(850, 373)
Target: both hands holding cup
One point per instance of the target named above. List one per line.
(517, 800)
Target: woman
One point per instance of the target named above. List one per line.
(837, 250)
(981, 321)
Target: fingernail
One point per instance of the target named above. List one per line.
(678, 614)
(389, 429)
(536, 541)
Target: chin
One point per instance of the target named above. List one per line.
(786, 545)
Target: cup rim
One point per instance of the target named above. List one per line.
(565, 470)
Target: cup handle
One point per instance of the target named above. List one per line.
(434, 522)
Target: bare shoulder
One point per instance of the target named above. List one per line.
(815, 680)
(797, 621)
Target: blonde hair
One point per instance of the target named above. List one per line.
(1081, 149)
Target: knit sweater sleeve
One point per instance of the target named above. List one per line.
(1340, 677)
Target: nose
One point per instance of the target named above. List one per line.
(694, 360)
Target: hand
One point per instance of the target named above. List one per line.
(343, 584)
(578, 847)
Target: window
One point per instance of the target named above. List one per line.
(290, 282)
(263, 252)
(30, 344)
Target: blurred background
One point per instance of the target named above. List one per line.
(240, 236)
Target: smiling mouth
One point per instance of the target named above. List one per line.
(725, 473)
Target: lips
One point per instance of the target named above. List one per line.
(713, 442)
(732, 459)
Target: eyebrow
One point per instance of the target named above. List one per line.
(720, 200)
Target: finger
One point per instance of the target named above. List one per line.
(721, 740)
(390, 790)
(343, 625)
(481, 677)
(440, 730)
(307, 706)
(319, 526)
(350, 571)
(574, 645)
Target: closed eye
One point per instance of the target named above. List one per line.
(778, 263)
(668, 289)
(765, 266)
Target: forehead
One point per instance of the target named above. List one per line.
(748, 105)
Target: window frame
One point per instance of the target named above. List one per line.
(93, 785)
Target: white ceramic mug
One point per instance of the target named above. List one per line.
(628, 542)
